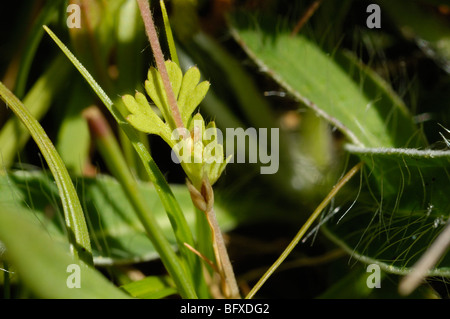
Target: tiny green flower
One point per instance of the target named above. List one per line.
(198, 148)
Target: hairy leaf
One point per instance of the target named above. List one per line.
(117, 235)
(366, 116)
(403, 201)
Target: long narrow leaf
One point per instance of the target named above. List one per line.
(75, 222)
(47, 14)
(13, 135)
(170, 41)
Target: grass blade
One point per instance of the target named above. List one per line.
(304, 229)
(13, 135)
(169, 36)
(47, 14)
(74, 217)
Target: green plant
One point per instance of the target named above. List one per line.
(313, 79)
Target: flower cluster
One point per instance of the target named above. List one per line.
(196, 146)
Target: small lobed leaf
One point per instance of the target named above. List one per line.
(155, 88)
(194, 99)
(175, 76)
(189, 86)
(131, 104)
(189, 93)
(194, 125)
(187, 90)
(217, 168)
(190, 81)
(142, 101)
(142, 116)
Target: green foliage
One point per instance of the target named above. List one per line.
(404, 209)
(340, 93)
(117, 235)
(404, 202)
(174, 266)
(311, 75)
(43, 262)
(150, 287)
(73, 214)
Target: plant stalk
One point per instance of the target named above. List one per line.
(159, 59)
(223, 260)
(426, 262)
(308, 14)
(304, 229)
(204, 201)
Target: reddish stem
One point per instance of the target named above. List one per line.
(309, 12)
(159, 58)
